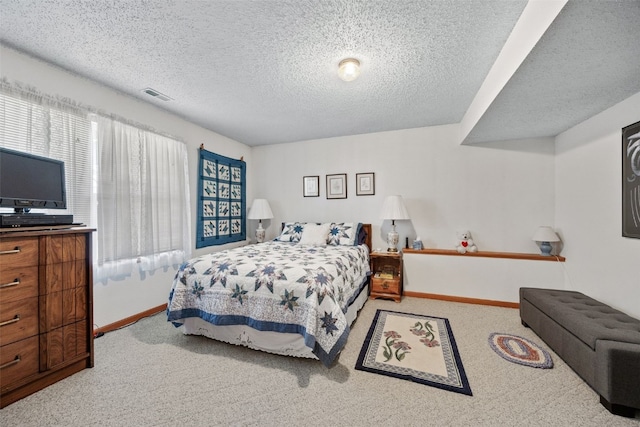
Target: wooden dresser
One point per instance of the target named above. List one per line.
(46, 311)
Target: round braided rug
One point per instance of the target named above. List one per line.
(520, 350)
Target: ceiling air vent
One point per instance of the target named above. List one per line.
(156, 94)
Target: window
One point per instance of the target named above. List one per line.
(142, 205)
(30, 124)
(129, 183)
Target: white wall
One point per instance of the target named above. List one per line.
(600, 262)
(117, 300)
(501, 191)
(495, 279)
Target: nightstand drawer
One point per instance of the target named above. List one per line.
(386, 286)
(18, 360)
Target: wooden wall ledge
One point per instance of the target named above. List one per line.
(485, 254)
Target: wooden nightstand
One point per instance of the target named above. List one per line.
(386, 279)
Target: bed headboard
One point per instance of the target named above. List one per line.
(367, 228)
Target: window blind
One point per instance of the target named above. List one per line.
(52, 132)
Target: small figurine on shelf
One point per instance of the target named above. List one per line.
(417, 244)
(465, 242)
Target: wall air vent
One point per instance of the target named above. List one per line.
(156, 94)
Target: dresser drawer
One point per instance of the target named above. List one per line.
(18, 360)
(18, 283)
(18, 320)
(18, 252)
(386, 286)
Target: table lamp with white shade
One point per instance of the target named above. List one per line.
(260, 210)
(544, 235)
(393, 209)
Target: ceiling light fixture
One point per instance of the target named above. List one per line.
(349, 69)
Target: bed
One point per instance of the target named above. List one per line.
(296, 295)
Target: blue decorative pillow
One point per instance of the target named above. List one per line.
(291, 232)
(343, 233)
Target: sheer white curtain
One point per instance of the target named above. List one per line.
(143, 207)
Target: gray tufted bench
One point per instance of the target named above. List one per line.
(598, 342)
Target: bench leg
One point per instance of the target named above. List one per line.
(615, 409)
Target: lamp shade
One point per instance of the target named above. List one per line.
(393, 208)
(260, 209)
(545, 234)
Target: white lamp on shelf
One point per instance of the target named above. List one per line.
(393, 209)
(544, 235)
(260, 210)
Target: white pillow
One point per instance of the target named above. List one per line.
(315, 234)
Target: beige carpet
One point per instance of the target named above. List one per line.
(149, 374)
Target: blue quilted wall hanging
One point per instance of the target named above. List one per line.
(221, 200)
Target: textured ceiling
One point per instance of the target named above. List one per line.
(587, 61)
(263, 71)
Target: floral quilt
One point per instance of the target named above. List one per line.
(275, 286)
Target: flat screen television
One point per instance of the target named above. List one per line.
(28, 181)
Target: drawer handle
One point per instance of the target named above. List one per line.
(8, 322)
(12, 251)
(13, 362)
(15, 282)
(385, 285)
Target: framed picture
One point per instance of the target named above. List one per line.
(311, 186)
(631, 181)
(365, 184)
(337, 186)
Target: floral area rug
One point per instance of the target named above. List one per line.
(520, 350)
(414, 347)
